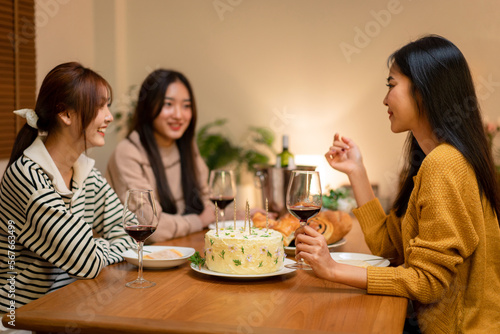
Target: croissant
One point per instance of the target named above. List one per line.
(259, 221)
(285, 225)
(334, 225)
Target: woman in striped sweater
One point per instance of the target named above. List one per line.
(59, 218)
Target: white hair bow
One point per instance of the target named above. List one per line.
(30, 115)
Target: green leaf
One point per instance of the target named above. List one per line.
(218, 151)
(204, 129)
(252, 158)
(330, 200)
(197, 259)
(237, 262)
(264, 136)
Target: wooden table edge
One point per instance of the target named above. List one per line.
(40, 323)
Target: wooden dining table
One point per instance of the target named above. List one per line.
(186, 301)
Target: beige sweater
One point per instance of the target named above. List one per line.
(129, 168)
(447, 247)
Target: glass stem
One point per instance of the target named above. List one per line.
(222, 217)
(140, 245)
(302, 223)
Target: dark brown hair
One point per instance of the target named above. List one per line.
(68, 86)
(150, 102)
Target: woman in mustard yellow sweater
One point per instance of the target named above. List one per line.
(442, 232)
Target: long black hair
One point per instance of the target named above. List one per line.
(441, 77)
(149, 105)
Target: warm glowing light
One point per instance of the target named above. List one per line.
(330, 178)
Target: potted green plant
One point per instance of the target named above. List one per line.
(218, 151)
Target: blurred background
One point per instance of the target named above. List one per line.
(307, 69)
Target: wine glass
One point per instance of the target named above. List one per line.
(140, 219)
(303, 200)
(222, 191)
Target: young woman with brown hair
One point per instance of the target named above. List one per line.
(59, 218)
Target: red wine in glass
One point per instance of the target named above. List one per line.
(303, 200)
(302, 212)
(140, 232)
(222, 190)
(222, 201)
(140, 220)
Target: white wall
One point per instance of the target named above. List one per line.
(254, 61)
(65, 32)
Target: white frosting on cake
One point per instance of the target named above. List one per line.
(242, 253)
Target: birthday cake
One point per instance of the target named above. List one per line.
(244, 251)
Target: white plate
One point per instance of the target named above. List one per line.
(206, 271)
(358, 259)
(291, 250)
(132, 257)
(228, 223)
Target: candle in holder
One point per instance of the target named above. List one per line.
(248, 214)
(267, 216)
(246, 217)
(216, 219)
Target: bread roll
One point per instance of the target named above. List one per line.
(259, 221)
(287, 225)
(334, 225)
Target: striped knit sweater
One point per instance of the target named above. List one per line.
(46, 238)
(447, 247)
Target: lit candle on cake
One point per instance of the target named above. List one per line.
(216, 219)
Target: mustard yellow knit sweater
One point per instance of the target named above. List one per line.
(447, 246)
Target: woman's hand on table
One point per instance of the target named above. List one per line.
(344, 155)
(311, 246)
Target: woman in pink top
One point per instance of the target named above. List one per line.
(160, 153)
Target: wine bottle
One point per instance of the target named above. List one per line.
(285, 159)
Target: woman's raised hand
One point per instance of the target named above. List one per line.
(344, 155)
